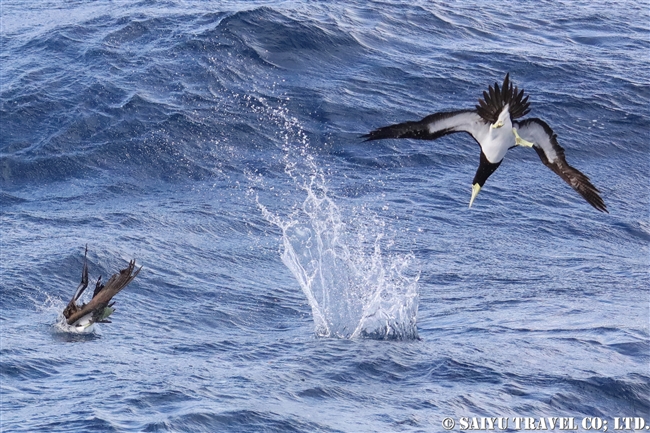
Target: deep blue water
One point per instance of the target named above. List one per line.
(217, 143)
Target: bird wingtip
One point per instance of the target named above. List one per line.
(366, 137)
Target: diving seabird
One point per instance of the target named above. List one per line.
(492, 124)
(83, 317)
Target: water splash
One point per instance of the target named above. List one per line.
(52, 307)
(354, 288)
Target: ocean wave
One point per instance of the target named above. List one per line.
(163, 131)
(163, 95)
(235, 420)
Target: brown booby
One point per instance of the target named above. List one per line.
(492, 123)
(82, 318)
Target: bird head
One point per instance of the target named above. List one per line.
(485, 169)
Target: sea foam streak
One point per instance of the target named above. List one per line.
(354, 289)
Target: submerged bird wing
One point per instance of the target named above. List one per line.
(552, 155)
(433, 126)
(100, 301)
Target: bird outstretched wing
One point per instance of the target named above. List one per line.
(103, 294)
(433, 126)
(552, 155)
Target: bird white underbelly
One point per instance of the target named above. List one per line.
(77, 328)
(84, 325)
(497, 144)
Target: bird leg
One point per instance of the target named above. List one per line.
(520, 141)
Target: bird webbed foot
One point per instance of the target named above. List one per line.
(520, 141)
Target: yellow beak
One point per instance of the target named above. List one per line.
(475, 189)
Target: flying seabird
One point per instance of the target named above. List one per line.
(83, 317)
(492, 124)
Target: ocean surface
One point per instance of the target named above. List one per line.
(296, 278)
